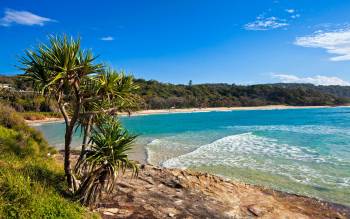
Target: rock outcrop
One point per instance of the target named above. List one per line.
(173, 193)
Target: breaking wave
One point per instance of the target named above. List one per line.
(264, 154)
(304, 129)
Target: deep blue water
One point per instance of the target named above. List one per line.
(304, 151)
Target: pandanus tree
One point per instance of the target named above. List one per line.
(108, 93)
(105, 160)
(81, 88)
(57, 70)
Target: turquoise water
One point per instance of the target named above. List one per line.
(303, 151)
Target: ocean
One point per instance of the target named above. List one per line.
(302, 151)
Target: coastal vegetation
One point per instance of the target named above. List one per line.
(31, 181)
(105, 161)
(83, 91)
(157, 95)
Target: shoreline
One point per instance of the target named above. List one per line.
(190, 110)
(172, 192)
(142, 152)
(219, 109)
(43, 121)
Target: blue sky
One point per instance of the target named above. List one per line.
(241, 41)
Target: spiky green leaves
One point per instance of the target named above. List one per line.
(58, 63)
(100, 166)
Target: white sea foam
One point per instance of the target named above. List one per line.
(165, 148)
(304, 129)
(260, 153)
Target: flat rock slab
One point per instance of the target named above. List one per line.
(173, 193)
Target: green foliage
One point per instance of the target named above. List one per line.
(100, 166)
(32, 188)
(62, 70)
(10, 119)
(26, 101)
(158, 95)
(16, 82)
(57, 66)
(58, 69)
(17, 137)
(108, 92)
(31, 182)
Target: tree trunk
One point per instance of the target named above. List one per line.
(70, 123)
(87, 131)
(67, 166)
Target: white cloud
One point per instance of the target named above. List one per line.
(316, 80)
(294, 16)
(335, 42)
(107, 38)
(293, 13)
(262, 23)
(23, 18)
(290, 11)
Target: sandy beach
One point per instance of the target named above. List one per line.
(220, 109)
(46, 120)
(189, 110)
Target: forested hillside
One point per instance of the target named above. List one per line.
(157, 95)
(160, 95)
(339, 91)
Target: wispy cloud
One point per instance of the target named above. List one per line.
(266, 23)
(294, 16)
(23, 18)
(263, 22)
(290, 10)
(107, 38)
(316, 80)
(335, 42)
(293, 13)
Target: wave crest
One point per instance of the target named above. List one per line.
(260, 153)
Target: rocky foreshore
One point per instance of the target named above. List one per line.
(173, 193)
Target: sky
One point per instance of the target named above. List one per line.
(222, 41)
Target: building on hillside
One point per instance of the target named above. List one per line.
(5, 86)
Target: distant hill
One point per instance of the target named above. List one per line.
(164, 95)
(157, 95)
(338, 91)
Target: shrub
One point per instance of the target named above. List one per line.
(10, 119)
(31, 182)
(18, 138)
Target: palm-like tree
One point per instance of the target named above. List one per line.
(85, 92)
(57, 70)
(107, 93)
(100, 166)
